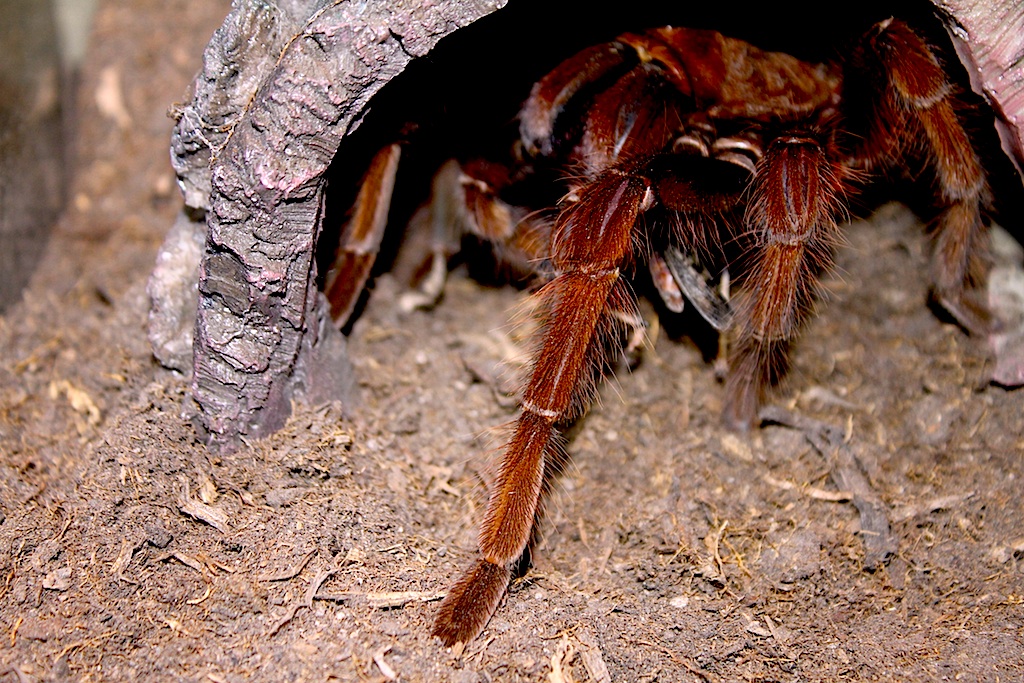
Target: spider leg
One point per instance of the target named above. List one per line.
(553, 93)
(592, 238)
(463, 200)
(917, 108)
(521, 241)
(794, 199)
(360, 240)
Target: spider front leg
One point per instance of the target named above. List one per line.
(464, 201)
(592, 239)
(795, 196)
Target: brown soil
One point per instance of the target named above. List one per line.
(672, 550)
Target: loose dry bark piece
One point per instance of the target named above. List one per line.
(1006, 299)
(989, 39)
(197, 509)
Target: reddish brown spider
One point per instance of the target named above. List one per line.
(684, 146)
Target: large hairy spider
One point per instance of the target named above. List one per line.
(681, 151)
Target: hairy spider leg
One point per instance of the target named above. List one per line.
(914, 114)
(465, 200)
(795, 196)
(360, 240)
(592, 238)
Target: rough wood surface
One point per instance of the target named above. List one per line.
(989, 39)
(280, 87)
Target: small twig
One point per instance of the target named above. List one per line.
(384, 667)
(64, 528)
(311, 592)
(902, 514)
(382, 600)
(593, 662)
(187, 560)
(289, 573)
(202, 598)
(810, 491)
(14, 630)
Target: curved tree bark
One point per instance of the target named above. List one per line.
(989, 39)
(280, 87)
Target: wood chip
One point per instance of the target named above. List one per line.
(124, 556)
(758, 629)
(902, 514)
(590, 653)
(177, 626)
(563, 654)
(80, 401)
(383, 600)
(58, 580)
(207, 489)
(205, 513)
(809, 491)
(188, 561)
(384, 667)
(14, 630)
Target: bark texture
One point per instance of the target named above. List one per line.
(989, 39)
(281, 85)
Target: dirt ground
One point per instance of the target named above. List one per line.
(672, 550)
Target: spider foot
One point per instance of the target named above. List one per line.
(471, 602)
(969, 312)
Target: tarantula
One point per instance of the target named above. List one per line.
(680, 150)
